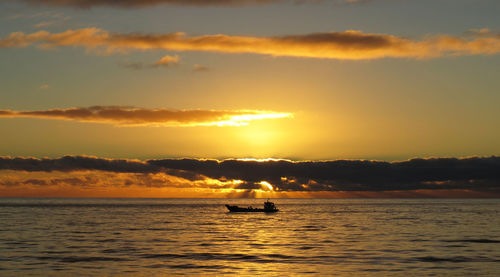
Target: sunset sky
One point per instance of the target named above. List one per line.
(374, 83)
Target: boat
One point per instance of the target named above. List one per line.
(269, 207)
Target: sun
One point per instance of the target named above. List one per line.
(266, 185)
(259, 135)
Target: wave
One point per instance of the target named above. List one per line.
(264, 258)
(456, 259)
(474, 240)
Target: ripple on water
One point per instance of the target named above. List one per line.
(194, 266)
(474, 241)
(456, 259)
(348, 237)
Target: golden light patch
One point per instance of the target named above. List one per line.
(266, 184)
(244, 119)
(132, 116)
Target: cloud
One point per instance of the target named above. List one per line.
(352, 175)
(482, 33)
(351, 45)
(48, 19)
(119, 115)
(199, 68)
(76, 163)
(100, 179)
(45, 14)
(146, 3)
(106, 184)
(135, 65)
(480, 174)
(44, 24)
(167, 61)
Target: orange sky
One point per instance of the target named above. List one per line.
(312, 81)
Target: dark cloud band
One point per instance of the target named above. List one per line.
(474, 173)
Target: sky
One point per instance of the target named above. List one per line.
(371, 85)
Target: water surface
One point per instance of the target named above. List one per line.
(136, 237)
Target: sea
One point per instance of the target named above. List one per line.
(199, 237)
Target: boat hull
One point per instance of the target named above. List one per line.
(236, 209)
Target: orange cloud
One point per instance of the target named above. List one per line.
(433, 177)
(157, 117)
(95, 183)
(353, 45)
(167, 61)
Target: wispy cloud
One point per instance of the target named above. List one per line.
(479, 174)
(132, 116)
(352, 45)
(135, 65)
(44, 24)
(48, 19)
(145, 3)
(199, 68)
(45, 14)
(166, 61)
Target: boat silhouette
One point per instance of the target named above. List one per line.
(269, 207)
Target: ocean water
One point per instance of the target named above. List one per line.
(148, 237)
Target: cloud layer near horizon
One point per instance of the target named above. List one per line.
(353, 45)
(119, 115)
(474, 173)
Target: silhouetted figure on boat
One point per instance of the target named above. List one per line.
(269, 207)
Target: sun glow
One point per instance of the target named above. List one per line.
(263, 160)
(264, 115)
(244, 119)
(266, 184)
